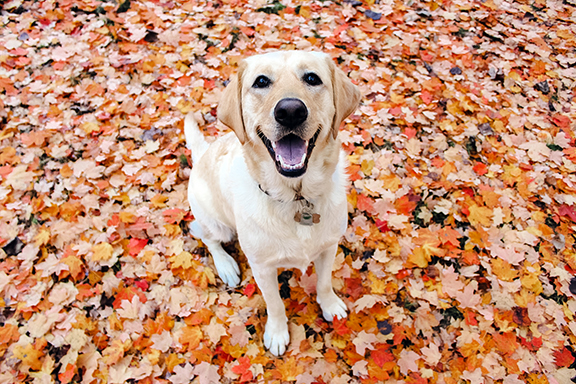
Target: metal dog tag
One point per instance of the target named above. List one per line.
(306, 217)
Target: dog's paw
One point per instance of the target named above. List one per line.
(332, 306)
(276, 337)
(227, 269)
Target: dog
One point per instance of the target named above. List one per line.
(277, 182)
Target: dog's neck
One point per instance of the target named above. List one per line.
(297, 195)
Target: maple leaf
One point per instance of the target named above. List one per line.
(214, 331)
(102, 251)
(408, 361)
(479, 215)
(115, 351)
(563, 357)
(29, 356)
(67, 376)
(207, 373)
(182, 260)
(243, 369)
(364, 341)
(8, 334)
(182, 374)
(506, 342)
(136, 245)
(191, 336)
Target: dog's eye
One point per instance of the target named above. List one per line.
(261, 82)
(312, 79)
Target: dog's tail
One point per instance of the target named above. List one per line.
(195, 140)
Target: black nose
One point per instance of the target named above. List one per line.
(290, 112)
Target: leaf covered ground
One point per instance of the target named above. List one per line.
(458, 264)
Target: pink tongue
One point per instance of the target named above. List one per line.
(291, 148)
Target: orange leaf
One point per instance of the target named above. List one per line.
(192, 336)
(67, 376)
(75, 265)
(480, 168)
(203, 316)
(8, 334)
(506, 342)
(449, 235)
(289, 368)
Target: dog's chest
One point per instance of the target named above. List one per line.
(274, 237)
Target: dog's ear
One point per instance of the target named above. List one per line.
(230, 106)
(346, 96)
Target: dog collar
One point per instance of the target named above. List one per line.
(305, 214)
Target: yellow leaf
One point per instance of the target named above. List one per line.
(183, 260)
(396, 98)
(158, 201)
(29, 356)
(42, 237)
(480, 215)
(102, 251)
(90, 127)
(367, 166)
(377, 285)
(172, 361)
(503, 270)
(392, 182)
(419, 257)
(127, 217)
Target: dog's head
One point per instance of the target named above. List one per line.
(286, 104)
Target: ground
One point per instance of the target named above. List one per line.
(458, 264)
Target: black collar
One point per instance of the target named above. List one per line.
(297, 195)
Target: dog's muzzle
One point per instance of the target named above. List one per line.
(291, 152)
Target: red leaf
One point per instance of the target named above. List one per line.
(173, 216)
(340, 326)
(533, 344)
(67, 375)
(381, 356)
(566, 210)
(480, 168)
(364, 203)
(410, 132)
(142, 284)
(382, 225)
(561, 121)
(470, 318)
(426, 96)
(564, 357)
(396, 111)
(136, 245)
(243, 369)
(250, 289)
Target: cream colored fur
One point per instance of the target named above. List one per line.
(229, 177)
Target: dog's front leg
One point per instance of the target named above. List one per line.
(276, 336)
(331, 304)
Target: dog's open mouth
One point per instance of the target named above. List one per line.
(290, 153)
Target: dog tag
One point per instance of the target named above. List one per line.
(306, 217)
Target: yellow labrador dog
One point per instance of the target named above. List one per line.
(277, 182)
